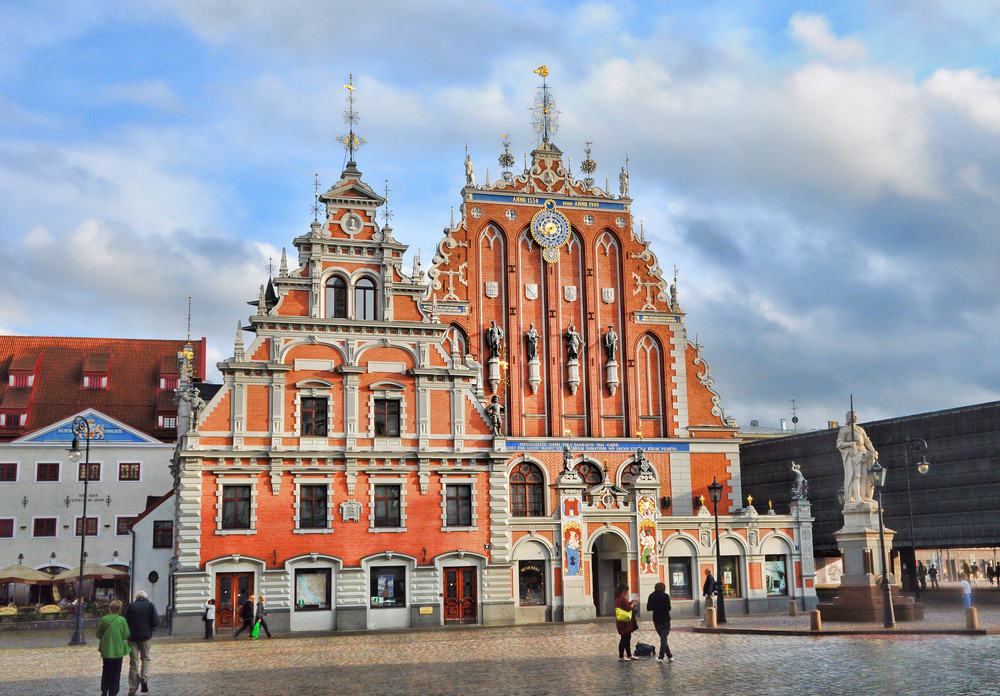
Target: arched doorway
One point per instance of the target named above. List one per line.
(608, 567)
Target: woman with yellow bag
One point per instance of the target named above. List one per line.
(624, 621)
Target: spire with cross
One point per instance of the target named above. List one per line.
(387, 213)
(315, 205)
(352, 141)
(544, 115)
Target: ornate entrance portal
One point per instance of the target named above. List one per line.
(609, 566)
(460, 598)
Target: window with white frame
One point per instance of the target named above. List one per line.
(313, 506)
(386, 504)
(458, 504)
(47, 472)
(386, 411)
(44, 526)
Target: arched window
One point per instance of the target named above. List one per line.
(365, 305)
(336, 298)
(527, 491)
(629, 475)
(591, 475)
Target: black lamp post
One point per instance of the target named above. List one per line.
(914, 445)
(877, 473)
(81, 426)
(715, 493)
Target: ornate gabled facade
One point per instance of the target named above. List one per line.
(502, 441)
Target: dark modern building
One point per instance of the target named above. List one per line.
(956, 504)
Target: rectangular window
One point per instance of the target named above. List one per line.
(387, 417)
(387, 506)
(236, 507)
(680, 577)
(168, 422)
(91, 526)
(531, 583)
(47, 471)
(8, 471)
(95, 382)
(20, 381)
(163, 534)
(775, 575)
(459, 504)
(128, 471)
(7, 528)
(388, 587)
(729, 576)
(44, 527)
(312, 506)
(168, 383)
(312, 589)
(94, 474)
(123, 525)
(314, 412)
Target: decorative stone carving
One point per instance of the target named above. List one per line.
(800, 489)
(494, 339)
(623, 182)
(569, 293)
(531, 342)
(350, 511)
(495, 411)
(470, 173)
(608, 295)
(531, 291)
(611, 343)
(492, 288)
(573, 344)
(534, 364)
(858, 454)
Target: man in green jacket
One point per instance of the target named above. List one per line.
(113, 633)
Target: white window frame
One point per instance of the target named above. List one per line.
(89, 536)
(457, 481)
(118, 470)
(387, 391)
(13, 527)
(100, 470)
(386, 481)
(17, 471)
(314, 389)
(46, 517)
(301, 480)
(58, 478)
(118, 517)
(227, 481)
(161, 421)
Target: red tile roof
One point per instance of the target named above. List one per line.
(97, 362)
(24, 362)
(132, 395)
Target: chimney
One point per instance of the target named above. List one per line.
(833, 424)
(784, 424)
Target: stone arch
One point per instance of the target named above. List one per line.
(595, 537)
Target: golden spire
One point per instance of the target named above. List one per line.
(545, 116)
(351, 141)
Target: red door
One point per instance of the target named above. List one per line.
(460, 595)
(231, 589)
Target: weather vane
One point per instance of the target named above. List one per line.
(352, 142)
(315, 205)
(545, 116)
(506, 159)
(588, 166)
(387, 214)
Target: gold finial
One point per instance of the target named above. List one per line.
(544, 113)
(351, 141)
(701, 501)
(749, 500)
(770, 505)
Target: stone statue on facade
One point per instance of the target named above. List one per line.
(531, 342)
(494, 339)
(611, 343)
(495, 412)
(800, 489)
(470, 174)
(623, 182)
(573, 343)
(858, 455)
(567, 459)
(644, 466)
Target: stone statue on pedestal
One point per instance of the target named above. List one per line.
(800, 489)
(858, 455)
(495, 412)
(470, 175)
(531, 342)
(611, 343)
(573, 343)
(494, 339)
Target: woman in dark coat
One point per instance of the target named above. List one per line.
(658, 605)
(624, 622)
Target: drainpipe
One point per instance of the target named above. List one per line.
(131, 566)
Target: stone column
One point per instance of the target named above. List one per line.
(646, 536)
(801, 510)
(577, 604)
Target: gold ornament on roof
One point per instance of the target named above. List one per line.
(749, 500)
(352, 141)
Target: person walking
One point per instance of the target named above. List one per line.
(932, 573)
(113, 634)
(922, 576)
(246, 616)
(259, 615)
(624, 622)
(209, 619)
(659, 604)
(966, 591)
(142, 620)
(708, 589)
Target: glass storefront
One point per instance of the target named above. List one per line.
(679, 573)
(312, 589)
(531, 583)
(776, 575)
(729, 576)
(388, 587)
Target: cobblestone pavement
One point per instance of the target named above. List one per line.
(935, 618)
(550, 659)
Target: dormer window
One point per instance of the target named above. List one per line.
(21, 381)
(95, 371)
(23, 369)
(336, 298)
(365, 303)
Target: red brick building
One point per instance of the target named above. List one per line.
(500, 442)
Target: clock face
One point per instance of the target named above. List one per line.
(551, 229)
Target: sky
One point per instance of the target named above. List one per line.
(824, 175)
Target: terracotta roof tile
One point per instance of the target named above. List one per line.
(168, 366)
(15, 399)
(133, 391)
(97, 362)
(24, 362)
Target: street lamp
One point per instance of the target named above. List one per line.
(81, 426)
(923, 466)
(715, 493)
(877, 475)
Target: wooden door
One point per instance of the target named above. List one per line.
(460, 605)
(231, 589)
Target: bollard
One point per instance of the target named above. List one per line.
(972, 619)
(815, 620)
(793, 608)
(710, 618)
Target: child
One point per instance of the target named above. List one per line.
(113, 634)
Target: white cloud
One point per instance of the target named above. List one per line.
(152, 93)
(971, 92)
(813, 32)
(36, 238)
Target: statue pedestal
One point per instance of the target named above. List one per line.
(573, 375)
(493, 373)
(534, 374)
(611, 376)
(859, 597)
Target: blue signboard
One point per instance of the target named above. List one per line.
(531, 199)
(101, 430)
(628, 446)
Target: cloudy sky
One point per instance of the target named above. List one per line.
(824, 175)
